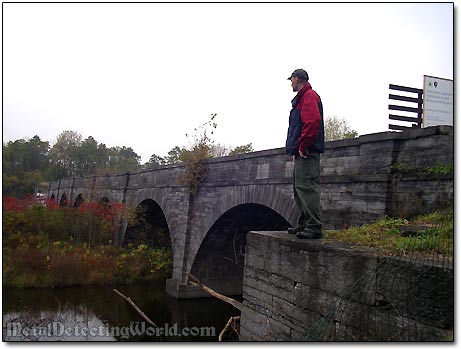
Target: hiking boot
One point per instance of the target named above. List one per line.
(309, 234)
(295, 230)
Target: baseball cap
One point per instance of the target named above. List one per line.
(300, 73)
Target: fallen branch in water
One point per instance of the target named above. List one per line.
(230, 325)
(196, 282)
(140, 312)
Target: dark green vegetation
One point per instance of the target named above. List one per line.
(437, 169)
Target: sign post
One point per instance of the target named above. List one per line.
(438, 101)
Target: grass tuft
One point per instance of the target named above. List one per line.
(426, 234)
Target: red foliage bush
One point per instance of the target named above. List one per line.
(94, 223)
(47, 245)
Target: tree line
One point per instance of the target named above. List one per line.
(29, 164)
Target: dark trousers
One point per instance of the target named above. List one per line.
(306, 187)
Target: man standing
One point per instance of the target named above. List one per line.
(305, 141)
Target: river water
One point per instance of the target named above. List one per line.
(99, 314)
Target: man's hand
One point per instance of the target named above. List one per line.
(302, 155)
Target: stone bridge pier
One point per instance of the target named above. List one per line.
(362, 179)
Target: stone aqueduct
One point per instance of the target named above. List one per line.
(362, 179)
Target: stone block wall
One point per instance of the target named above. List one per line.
(362, 179)
(384, 174)
(298, 290)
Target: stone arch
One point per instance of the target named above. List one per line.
(149, 226)
(63, 200)
(78, 201)
(52, 197)
(270, 196)
(161, 198)
(157, 197)
(174, 204)
(275, 209)
(219, 261)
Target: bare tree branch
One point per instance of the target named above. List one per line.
(197, 283)
(140, 312)
(230, 324)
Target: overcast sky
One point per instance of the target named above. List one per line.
(144, 75)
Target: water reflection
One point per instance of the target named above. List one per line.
(77, 324)
(99, 314)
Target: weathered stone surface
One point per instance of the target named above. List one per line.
(331, 266)
(295, 317)
(269, 283)
(260, 327)
(327, 291)
(397, 279)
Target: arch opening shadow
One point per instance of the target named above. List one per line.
(220, 259)
(148, 226)
(105, 202)
(78, 201)
(63, 201)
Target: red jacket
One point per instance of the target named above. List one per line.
(306, 130)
